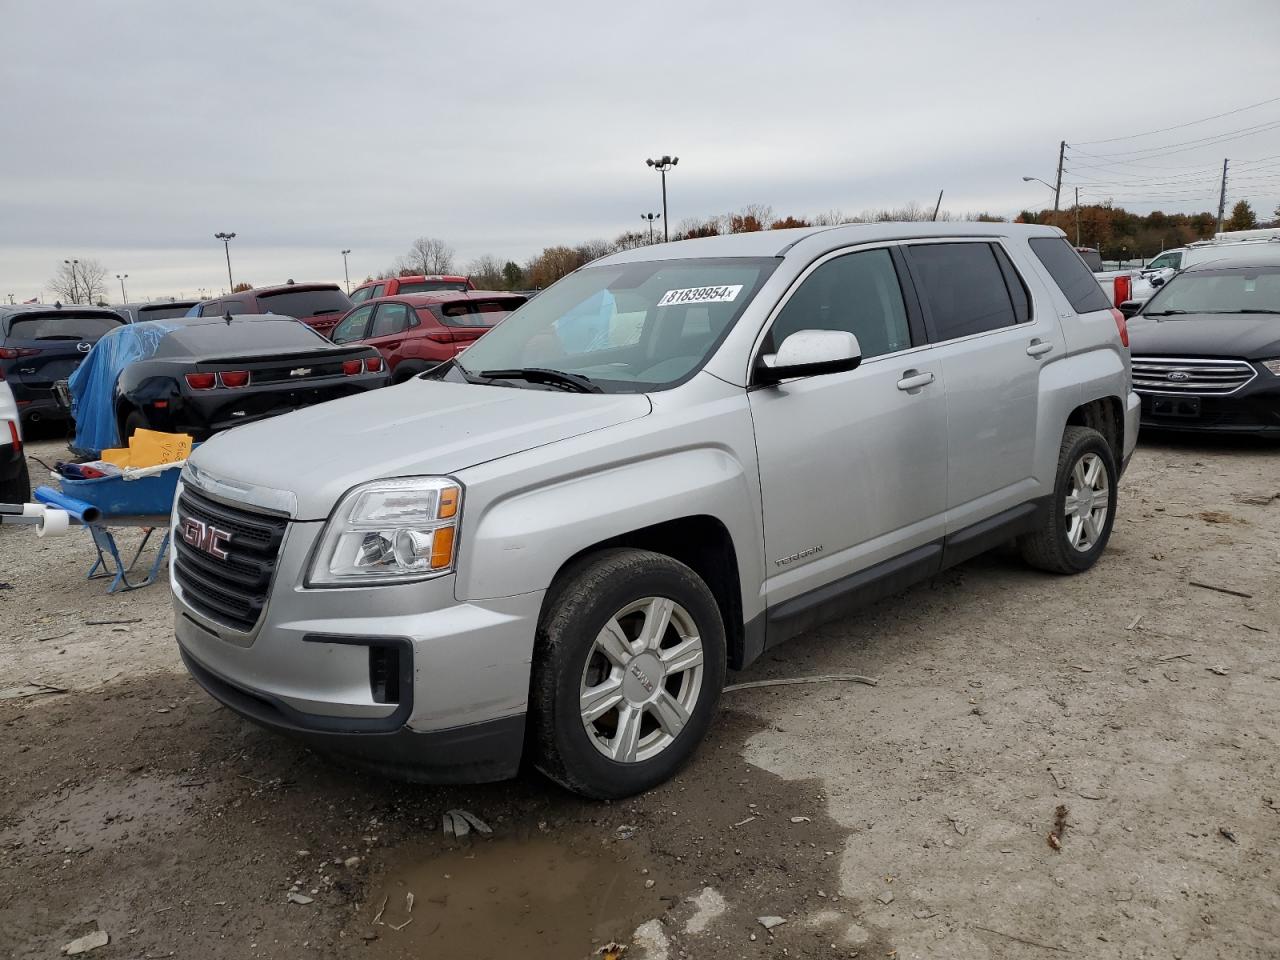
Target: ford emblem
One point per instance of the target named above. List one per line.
(1179, 376)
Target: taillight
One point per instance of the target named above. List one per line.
(351, 367)
(373, 365)
(13, 435)
(201, 381)
(234, 378)
(1122, 325)
(1123, 288)
(13, 353)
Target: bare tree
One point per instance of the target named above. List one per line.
(80, 281)
(486, 272)
(430, 255)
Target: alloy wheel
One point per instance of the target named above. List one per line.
(1087, 502)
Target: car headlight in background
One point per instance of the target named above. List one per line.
(1273, 366)
(389, 531)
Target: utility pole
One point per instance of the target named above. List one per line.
(937, 206)
(1057, 190)
(1077, 216)
(1222, 196)
(345, 274)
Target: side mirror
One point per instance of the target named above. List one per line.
(1157, 280)
(1130, 308)
(809, 353)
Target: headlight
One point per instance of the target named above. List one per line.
(389, 531)
(1273, 366)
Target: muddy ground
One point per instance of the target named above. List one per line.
(908, 819)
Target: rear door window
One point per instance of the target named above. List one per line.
(1069, 272)
(391, 318)
(362, 294)
(963, 288)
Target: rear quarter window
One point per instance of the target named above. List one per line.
(1069, 272)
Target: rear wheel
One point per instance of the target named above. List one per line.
(1078, 525)
(630, 663)
(136, 420)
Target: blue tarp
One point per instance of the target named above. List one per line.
(93, 385)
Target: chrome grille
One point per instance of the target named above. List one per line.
(1204, 377)
(233, 589)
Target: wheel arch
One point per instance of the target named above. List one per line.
(702, 543)
(1106, 415)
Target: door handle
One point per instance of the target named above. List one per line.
(1038, 348)
(913, 379)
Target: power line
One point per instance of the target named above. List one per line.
(1179, 126)
(1152, 153)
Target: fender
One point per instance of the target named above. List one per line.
(518, 542)
(1066, 384)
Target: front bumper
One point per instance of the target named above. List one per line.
(314, 666)
(1254, 409)
(474, 753)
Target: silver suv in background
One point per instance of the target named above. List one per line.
(555, 545)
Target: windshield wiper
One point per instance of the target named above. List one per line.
(555, 378)
(1257, 310)
(1162, 313)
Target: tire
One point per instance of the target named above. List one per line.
(1068, 543)
(17, 489)
(135, 420)
(405, 372)
(590, 756)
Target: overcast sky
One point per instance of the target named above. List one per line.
(133, 131)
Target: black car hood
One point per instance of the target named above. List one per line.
(1244, 336)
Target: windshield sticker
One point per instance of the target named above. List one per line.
(722, 294)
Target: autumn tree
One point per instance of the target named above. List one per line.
(80, 281)
(486, 272)
(631, 239)
(788, 222)
(241, 287)
(1242, 217)
(551, 264)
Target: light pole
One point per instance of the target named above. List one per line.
(651, 217)
(122, 277)
(226, 239)
(75, 281)
(662, 165)
(345, 274)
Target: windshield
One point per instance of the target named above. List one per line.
(1238, 290)
(629, 327)
(305, 303)
(431, 286)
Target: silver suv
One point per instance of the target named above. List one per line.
(554, 546)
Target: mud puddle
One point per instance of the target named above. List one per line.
(102, 814)
(532, 897)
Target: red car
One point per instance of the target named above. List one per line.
(318, 305)
(391, 286)
(414, 332)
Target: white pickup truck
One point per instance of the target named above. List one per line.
(1120, 286)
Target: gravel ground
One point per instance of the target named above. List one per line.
(1127, 712)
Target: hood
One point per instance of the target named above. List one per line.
(421, 427)
(1243, 336)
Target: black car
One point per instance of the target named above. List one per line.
(1206, 348)
(199, 375)
(153, 309)
(42, 344)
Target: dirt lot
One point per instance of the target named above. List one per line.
(908, 819)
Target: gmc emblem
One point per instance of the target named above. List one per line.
(204, 536)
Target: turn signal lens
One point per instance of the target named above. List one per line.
(1273, 366)
(351, 367)
(234, 378)
(201, 381)
(373, 365)
(442, 548)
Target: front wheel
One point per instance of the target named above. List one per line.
(629, 667)
(1083, 506)
(136, 420)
